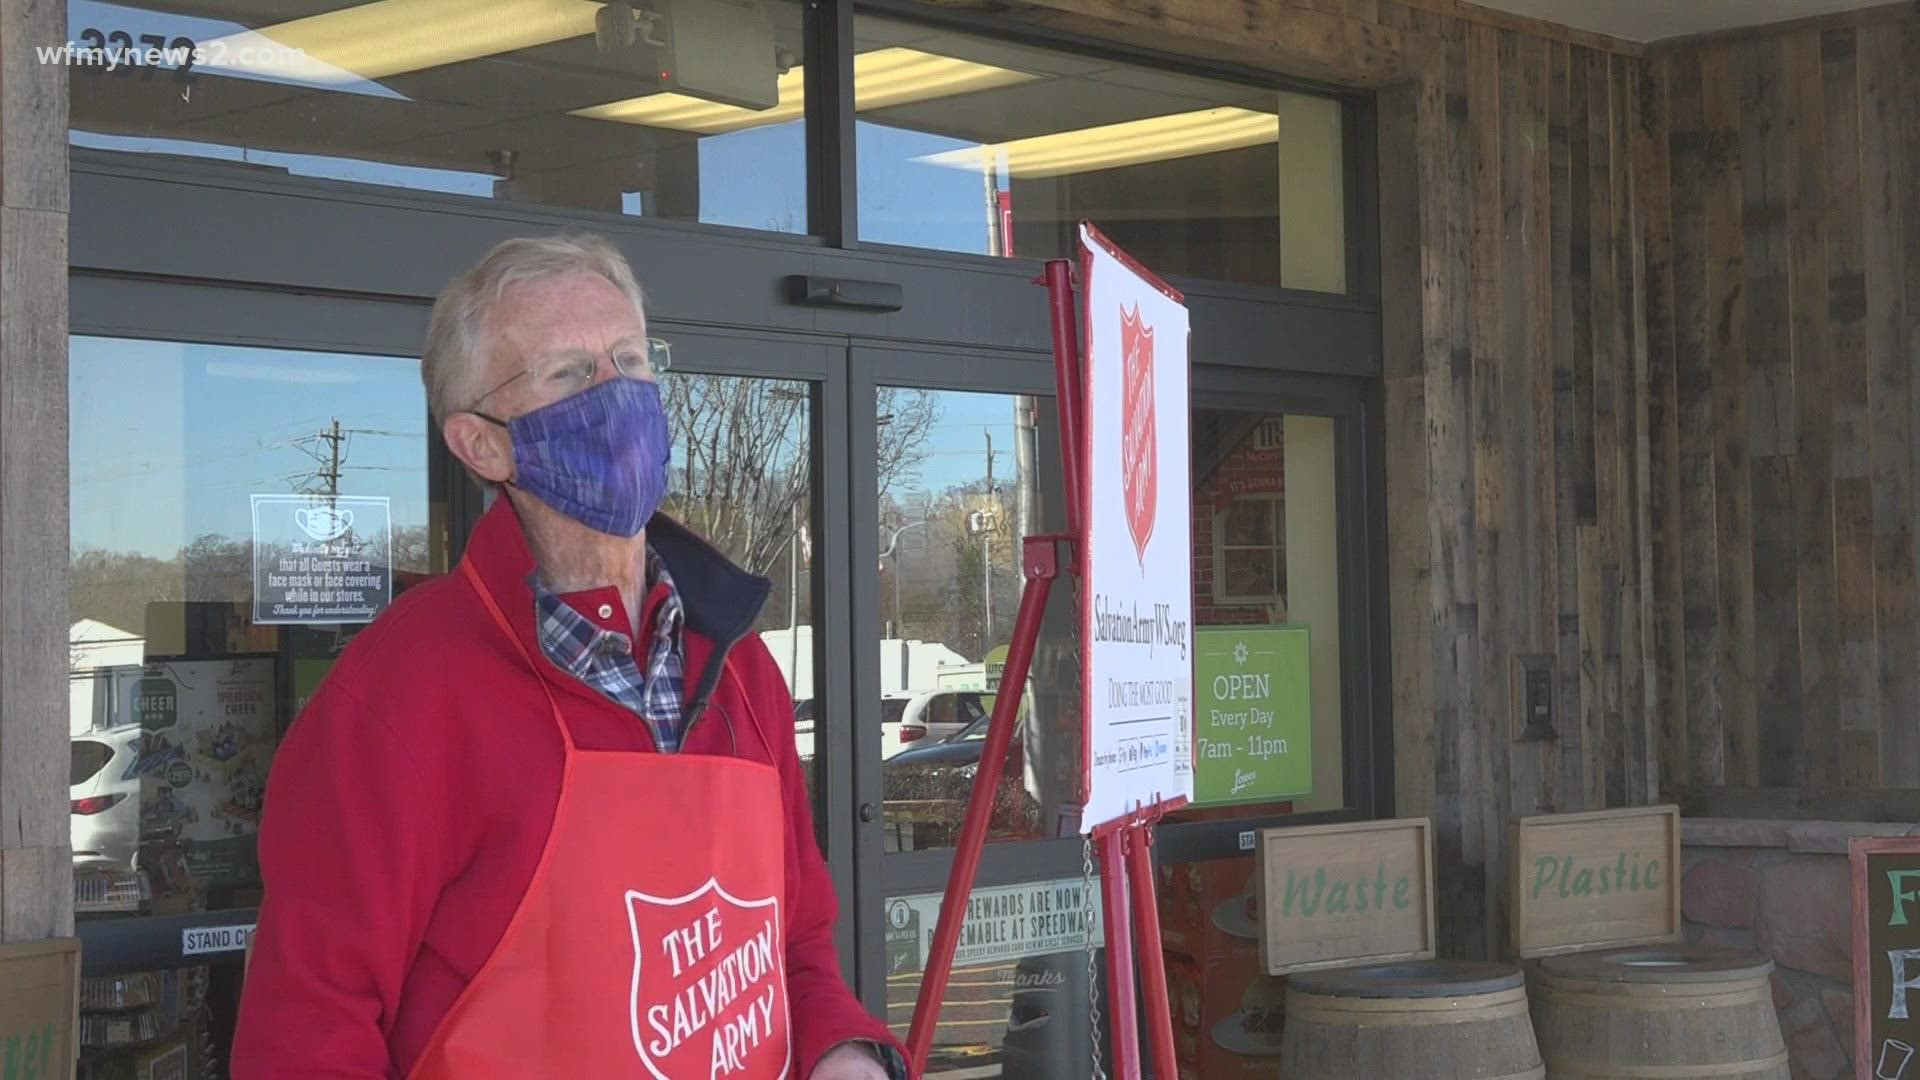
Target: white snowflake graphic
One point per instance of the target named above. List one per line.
(1240, 652)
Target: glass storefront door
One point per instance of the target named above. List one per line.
(960, 461)
(238, 514)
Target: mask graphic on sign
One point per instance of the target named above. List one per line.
(709, 985)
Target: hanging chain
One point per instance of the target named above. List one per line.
(1093, 964)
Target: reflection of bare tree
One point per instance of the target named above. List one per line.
(742, 457)
(116, 586)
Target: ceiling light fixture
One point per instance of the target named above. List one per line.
(882, 77)
(1108, 146)
(389, 37)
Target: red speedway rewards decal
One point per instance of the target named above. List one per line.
(709, 985)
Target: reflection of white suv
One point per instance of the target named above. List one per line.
(933, 716)
(891, 709)
(105, 799)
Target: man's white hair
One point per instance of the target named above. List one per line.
(454, 357)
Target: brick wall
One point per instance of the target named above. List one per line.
(1249, 469)
(1781, 888)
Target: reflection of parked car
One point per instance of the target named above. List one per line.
(960, 748)
(805, 725)
(105, 799)
(933, 716)
(937, 778)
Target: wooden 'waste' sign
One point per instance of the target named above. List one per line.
(1342, 895)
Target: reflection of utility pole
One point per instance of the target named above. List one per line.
(986, 551)
(330, 448)
(325, 480)
(1025, 438)
(793, 602)
(892, 550)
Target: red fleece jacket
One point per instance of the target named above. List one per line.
(410, 802)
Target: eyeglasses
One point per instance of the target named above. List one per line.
(563, 374)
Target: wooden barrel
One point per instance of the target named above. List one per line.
(1438, 1020)
(1674, 1012)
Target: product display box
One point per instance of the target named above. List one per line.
(1226, 1015)
(1209, 909)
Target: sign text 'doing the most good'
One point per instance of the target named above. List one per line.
(1886, 957)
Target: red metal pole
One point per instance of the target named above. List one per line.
(1122, 1008)
(1066, 381)
(1042, 563)
(1153, 962)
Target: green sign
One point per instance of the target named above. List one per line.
(156, 702)
(1253, 716)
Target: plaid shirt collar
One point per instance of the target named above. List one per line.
(572, 641)
(606, 660)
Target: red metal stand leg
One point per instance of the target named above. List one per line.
(1042, 564)
(1066, 377)
(1153, 963)
(1122, 1007)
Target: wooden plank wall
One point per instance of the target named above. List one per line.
(36, 864)
(1780, 216)
(1519, 435)
(1519, 427)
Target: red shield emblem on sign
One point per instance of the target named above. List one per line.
(1139, 444)
(709, 985)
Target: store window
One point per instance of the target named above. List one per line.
(683, 112)
(1267, 616)
(743, 479)
(1268, 719)
(237, 515)
(1007, 146)
(963, 477)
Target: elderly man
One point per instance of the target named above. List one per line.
(545, 817)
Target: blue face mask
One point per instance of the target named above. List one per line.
(600, 457)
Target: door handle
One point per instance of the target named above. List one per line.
(866, 813)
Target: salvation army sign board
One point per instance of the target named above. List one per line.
(1136, 600)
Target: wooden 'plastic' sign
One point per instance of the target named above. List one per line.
(39, 1007)
(1335, 896)
(1606, 879)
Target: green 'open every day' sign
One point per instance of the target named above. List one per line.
(1253, 721)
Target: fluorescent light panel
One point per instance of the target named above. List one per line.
(882, 77)
(1108, 146)
(389, 37)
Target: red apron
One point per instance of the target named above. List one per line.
(651, 940)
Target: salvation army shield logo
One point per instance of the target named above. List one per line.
(709, 985)
(1139, 446)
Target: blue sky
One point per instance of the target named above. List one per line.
(168, 441)
(957, 446)
(754, 178)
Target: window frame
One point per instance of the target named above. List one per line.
(1276, 510)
